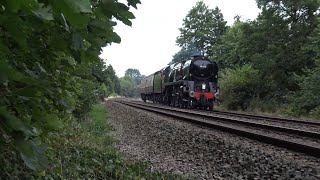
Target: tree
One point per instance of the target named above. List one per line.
(106, 75)
(202, 28)
(128, 85)
(48, 50)
(229, 51)
(281, 31)
(307, 99)
(184, 54)
(272, 44)
(135, 74)
(114, 78)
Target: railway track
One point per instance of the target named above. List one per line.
(261, 117)
(300, 140)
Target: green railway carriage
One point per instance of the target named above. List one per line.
(151, 87)
(146, 87)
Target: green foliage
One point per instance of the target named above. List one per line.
(278, 45)
(47, 52)
(184, 54)
(307, 99)
(202, 28)
(87, 95)
(229, 51)
(106, 75)
(135, 74)
(83, 150)
(128, 85)
(239, 86)
(129, 82)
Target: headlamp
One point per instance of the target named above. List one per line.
(203, 86)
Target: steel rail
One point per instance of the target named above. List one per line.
(299, 132)
(292, 145)
(251, 116)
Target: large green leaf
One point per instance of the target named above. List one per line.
(32, 153)
(80, 5)
(72, 15)
(133, 3)
(44, 12)
(14, 5)
(14, 123)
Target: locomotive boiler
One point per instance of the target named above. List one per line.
(192, 83)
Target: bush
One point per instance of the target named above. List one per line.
(87, 95)
(307, 100)
(239, 87)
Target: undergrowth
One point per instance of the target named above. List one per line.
(82, 150)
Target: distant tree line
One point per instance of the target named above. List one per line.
(129, 83)
(269, 64)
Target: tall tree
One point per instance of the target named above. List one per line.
(281, 31)
(114, 78)
(202, 28)
(307, 100)
(229, 51)
(135, 74)
(184, 54)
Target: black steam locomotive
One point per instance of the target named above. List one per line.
(192, 83)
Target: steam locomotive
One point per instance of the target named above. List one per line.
(187, 84)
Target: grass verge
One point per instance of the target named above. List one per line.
(82, 150)
(86, 150)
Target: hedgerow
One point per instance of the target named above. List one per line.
(48, 51)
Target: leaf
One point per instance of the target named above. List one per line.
(126, 21)
(32, 153)
(41, 68)
(71, 61)
(3, 71)
(15, 75)
(14, 26)
(15, 123)
(80, 5)
(115, 37)
(53, 122)
(44, 12)
(127, 14)
(77, 40)
(76, 19)
(134, 3)
(14, 5)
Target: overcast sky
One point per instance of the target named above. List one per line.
(150, 43)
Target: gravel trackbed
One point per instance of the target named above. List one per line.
(195, 152)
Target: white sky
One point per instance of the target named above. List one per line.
(150, 43)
